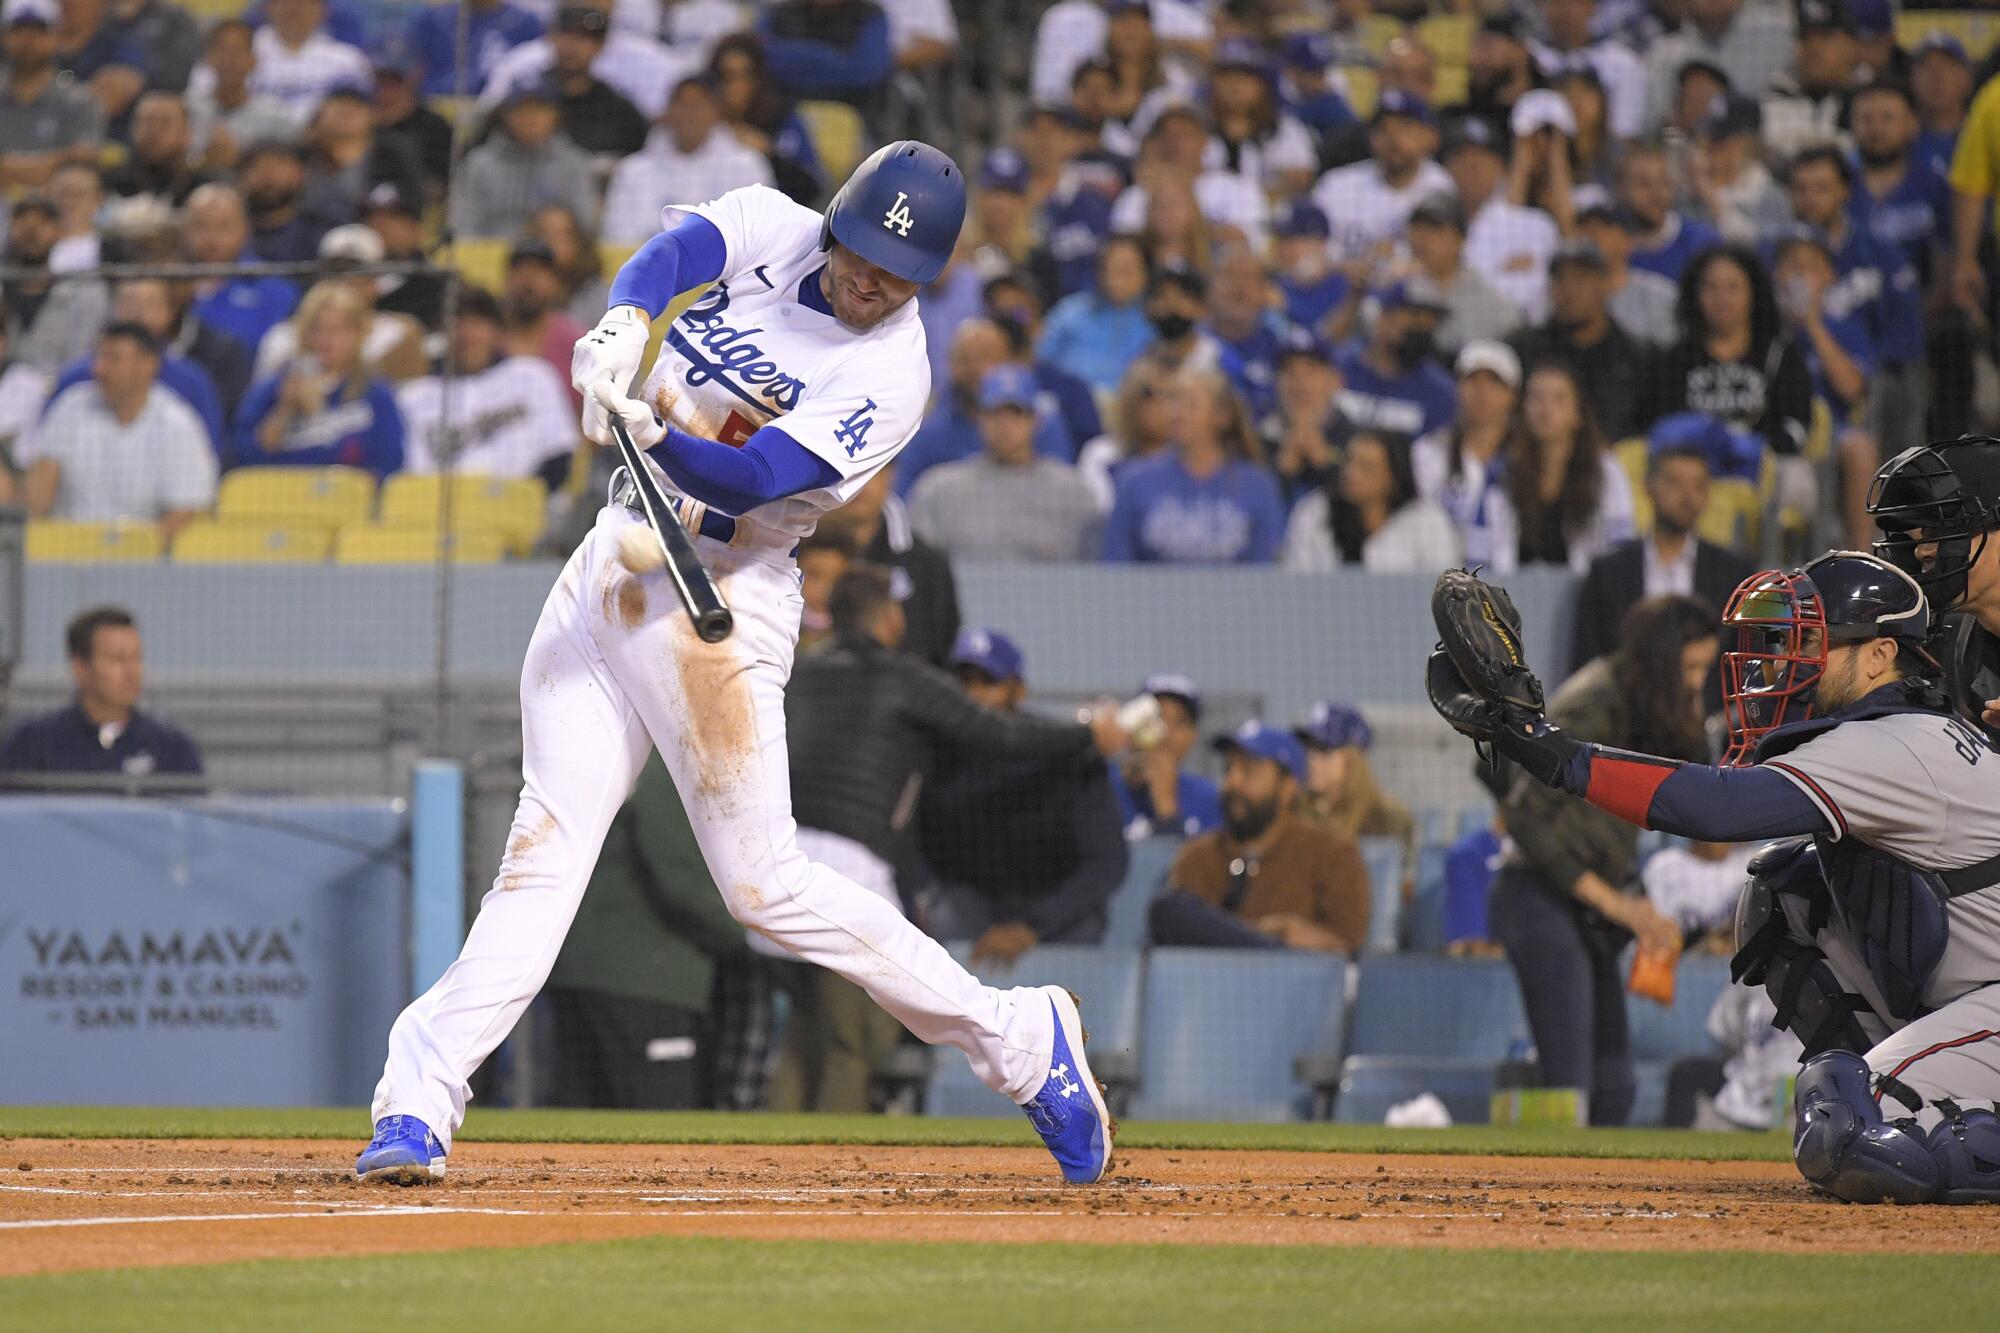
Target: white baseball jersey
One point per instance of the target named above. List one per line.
(509, 419)
(1912, 784)
(1364, 209)
(750, 352)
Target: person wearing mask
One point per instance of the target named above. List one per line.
(1156, 792)
(1099, 333)
(102, 730)
(1206, 501)
(1370, 516)
(1561, 906)
(1560, 497)
(1391, 378)
(323, 408)
(1268, 878)
(1616, 370)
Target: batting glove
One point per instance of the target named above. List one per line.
(646, 429)
(611, 352)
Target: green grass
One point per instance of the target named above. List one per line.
(770, 1285)
(553, 1126)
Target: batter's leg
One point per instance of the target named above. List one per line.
(582, 748)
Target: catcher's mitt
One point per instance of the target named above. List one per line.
(1480, 631)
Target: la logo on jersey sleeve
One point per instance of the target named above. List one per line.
(898, 218)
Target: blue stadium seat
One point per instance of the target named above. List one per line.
(1106, 980)
(1661, 1036)
(1371, 1084)
(1384, 858)
(1144, 874)
(1224, 1026)
(1423, 1024)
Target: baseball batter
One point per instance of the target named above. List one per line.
(776, 396)
(1876, 927)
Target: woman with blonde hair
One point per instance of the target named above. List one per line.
(1176, 234)
(1341, 788)
(1206, 500)
(1140, 428)
(323, 406)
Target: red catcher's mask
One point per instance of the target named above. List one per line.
(1774, 652)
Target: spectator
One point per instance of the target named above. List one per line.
(162, 162)
(1559, 906)
(923, 34)
(1026, 850)
(345, 160)
(1667, 240)
(951, 431)
(1941, 84)
(1257, 137)
(323, 408)
(1001, 231)
(396, 217)
(1474, 308)
(1469, 869)
(1173, 228)
(1251, 333)
(1615, 369)
(1807, 103)
(493, 28)
(1733, 191)
(764, 118)
(1574, 44)
(529, 163)
(1014, 302)
(1341, 790)
(1174, 153)
(1699, 88)
(1144, 78)
(1366, 204)
(1672, 559)
(1206, 501)
(393, 346)
(345, 20)
(1370, 515)
(1639, 303)
(1267, 878)
(1392, 378)
(1299, 434)
(691, 157)
(628, 997)
(272, 176)
(593, 115)
(44, 120)
(1565, 500)
(23, 392)
(402, 118)
(118, 448)
(498, 415)
(166, 33)
(1734, 360)
(1499, 68)
(150, 303)
(215, 229)
(1745, 42)
(1006, 502)
(919, 575)
(1507, 243)
(1593, 147)
(1457, 466)
(1140, 428)
(866, 724)
(229, 110)
(1156, 792)
(49, 324)
(77, 191)
(1842, 358)
(298, 63)
(831, 49)
(1076, 183)
(537, 325)
(694, 28)
(1542, 173)
(1097, 334)
(1407, 68)
(636, 65)
(824, 559)
(99, 57)
(1316, 294)
(102, 730)
(166, 309)
(578, 261)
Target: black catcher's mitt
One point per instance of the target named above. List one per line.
(1480, 631)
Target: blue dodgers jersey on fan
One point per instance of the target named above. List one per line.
(1877, 282)
(363, 430)
(1913, 219)
(1413, 403)
(1162, 513)
(1306, 304)
(1851, 332)
(1252, 362)
(1197, 798)
(433, 34)
(1688, 238)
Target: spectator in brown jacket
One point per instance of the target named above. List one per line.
(1268, 878)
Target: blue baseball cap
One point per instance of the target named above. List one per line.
(987, 650)
(1308, 51)
(1262, 742)
(1330, 726)
(1004, 169)
(1728, 453)
(1872, 18)
(1175, 686)
(1937, 39)
(1302, 217)
(1396, 102)
(1242, 53)
(1008, 386)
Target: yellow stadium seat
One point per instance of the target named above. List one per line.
(1631, 456)
(1975, 29)
(1452, 83)
(482, 260)
(60, 540)
(1361, 89)
(1377, 31)
(206, 11)
(209, 542)
(329, 497)
(451, 108)
(1449, 37)
(376, 544)
(517, 509)
(837, 136)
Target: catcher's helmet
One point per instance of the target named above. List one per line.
(1778, 626)
(901, 211)
(1944, 495)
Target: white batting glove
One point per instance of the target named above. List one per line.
(646, 429)
(611, 351)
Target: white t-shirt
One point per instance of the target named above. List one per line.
(660, 173)
(1419, 538)
(160, 463)
(509, 418)
(750, 352)
(636, 67)
(23, 390)
(913, 19)
(1365, 210)
(1224, 198)
(298, 79)
(1510, 246)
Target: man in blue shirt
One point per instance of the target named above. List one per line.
(1241, 319)
(1393, 381)
(1156, 794)
(1941, 80)
(216, 230)
(497, 27)
(951, 428)
(1667, 239)
(102, 729)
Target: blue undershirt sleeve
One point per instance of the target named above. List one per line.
(769, 466)
(671, 263)
(1733, 805)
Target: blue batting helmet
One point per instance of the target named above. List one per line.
(901, 211)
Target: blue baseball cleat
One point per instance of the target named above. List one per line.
(1069, 1110)
(403, 1152)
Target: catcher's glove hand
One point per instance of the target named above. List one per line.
(1480, 631)
(1455, 701)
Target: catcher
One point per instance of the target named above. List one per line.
(1874, 925)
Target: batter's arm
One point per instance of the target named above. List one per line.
(690, 255)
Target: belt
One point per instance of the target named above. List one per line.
(694, 514)
(1970, 879)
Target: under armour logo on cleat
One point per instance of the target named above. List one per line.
(1065, 1085)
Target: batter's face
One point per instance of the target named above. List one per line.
(861, 294)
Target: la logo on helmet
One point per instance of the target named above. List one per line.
(899, 217)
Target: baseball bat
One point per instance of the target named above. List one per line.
(705, 607)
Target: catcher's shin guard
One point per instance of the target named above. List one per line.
(1966, 1147)
(1842, 1143)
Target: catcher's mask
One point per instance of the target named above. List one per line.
(1778, 627)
